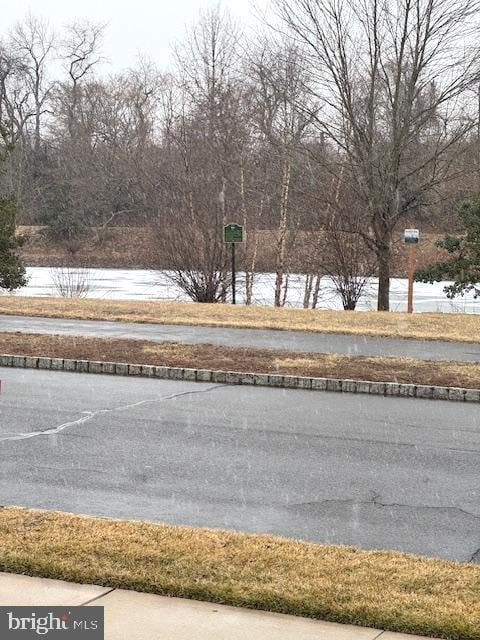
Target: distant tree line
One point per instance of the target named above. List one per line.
(340, 124)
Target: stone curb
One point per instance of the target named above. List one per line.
(390, 389)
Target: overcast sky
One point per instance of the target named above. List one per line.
(134, 26)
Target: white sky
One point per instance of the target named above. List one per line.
(149, 27)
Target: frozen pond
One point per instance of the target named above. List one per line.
(138, 284)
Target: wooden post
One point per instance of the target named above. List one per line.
(411, 260)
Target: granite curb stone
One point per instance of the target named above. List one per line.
(388, 389)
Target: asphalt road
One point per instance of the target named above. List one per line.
(370, 471)
(261, 338)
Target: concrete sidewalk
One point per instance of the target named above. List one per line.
(140, 616)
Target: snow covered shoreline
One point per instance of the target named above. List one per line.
(139, 284)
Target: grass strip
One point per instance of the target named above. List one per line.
(383, 589)
(423, 326)
(207, 356)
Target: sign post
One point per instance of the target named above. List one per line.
(233, 234)
(411, 238)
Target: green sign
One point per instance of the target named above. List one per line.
(233, 233)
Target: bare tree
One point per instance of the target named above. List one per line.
(80, 52)
(282, 86)
(33, 43)
(207, 139)
(392, 77)
(16, 113)
(70, 196)
(15, 105)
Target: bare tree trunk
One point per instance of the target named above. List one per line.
(249, 265)
(478, 137)
(250, 268)
(224, 246)
(308, 290)
(285, 291)
(37, 135)
(282, 232)
(250, 272)
(316, 291)
(384, 258)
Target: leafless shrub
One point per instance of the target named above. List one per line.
(348, 266)
(196, 258)
(71, 282)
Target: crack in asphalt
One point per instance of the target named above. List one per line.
(475, 556)
(93, 414)
(375, 501)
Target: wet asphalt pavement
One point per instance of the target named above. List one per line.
(260, 338)
(375, 472)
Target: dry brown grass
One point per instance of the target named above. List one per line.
(383, 589)
(207, 356)
(424, 326)
(383, 369)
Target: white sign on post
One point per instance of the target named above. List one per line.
(411, 236)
